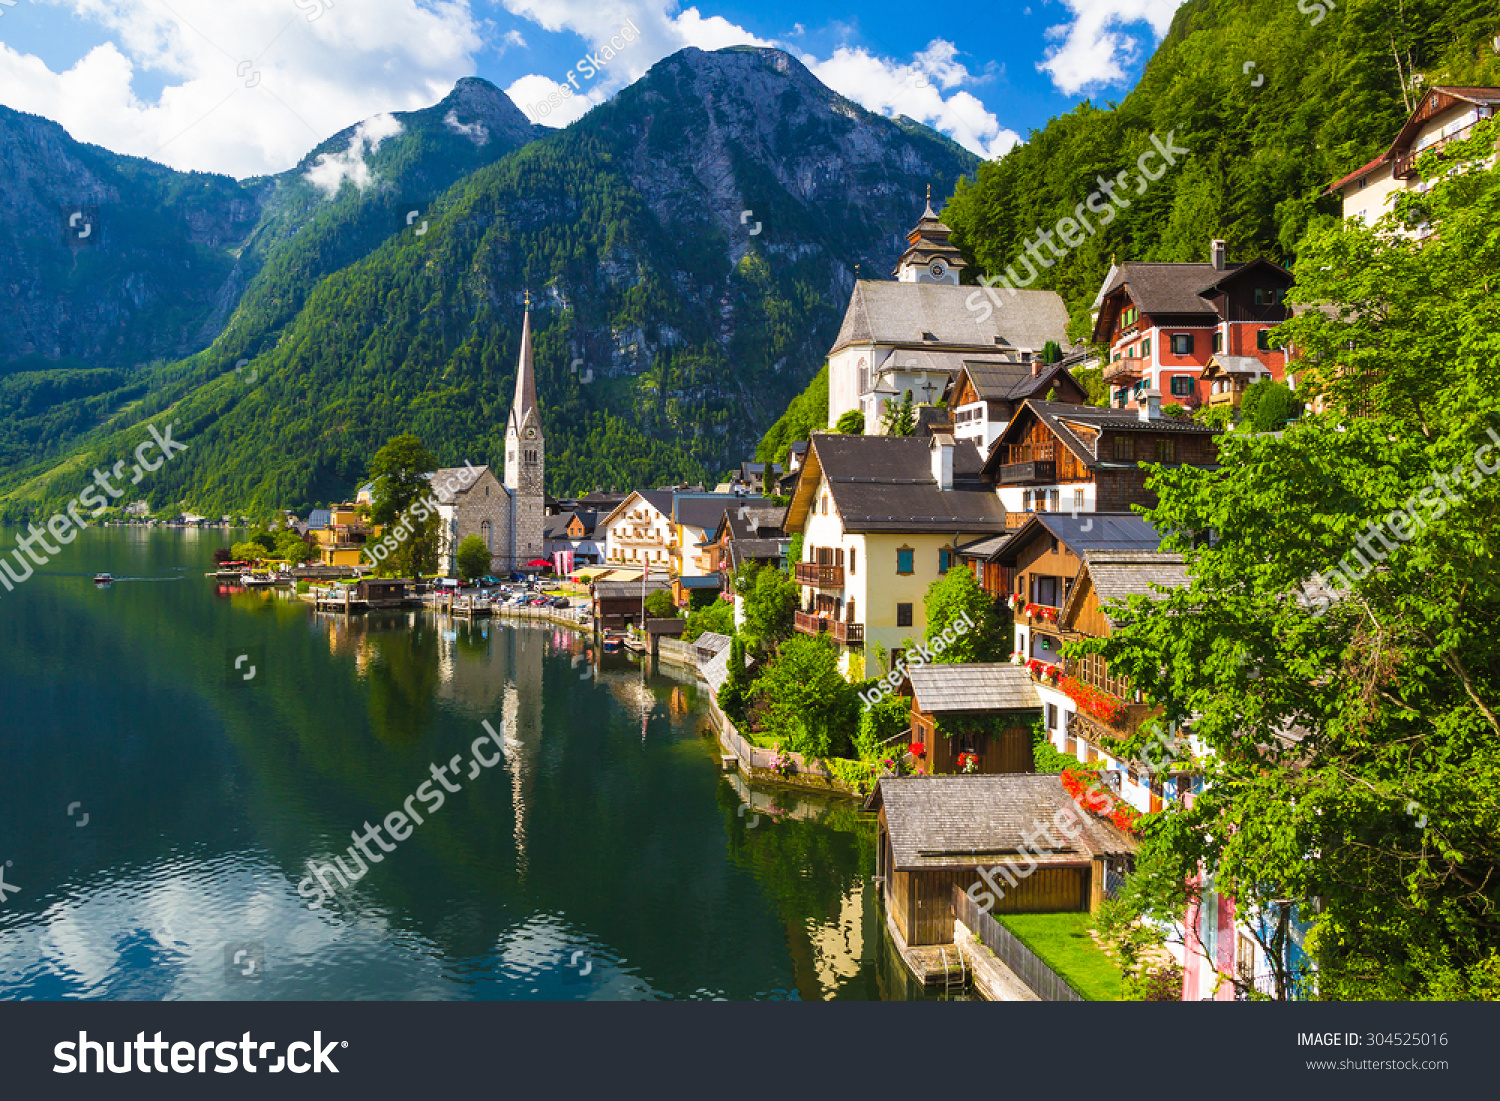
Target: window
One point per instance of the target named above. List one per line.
(1218, 340)
(825, 504)
(1052, 716)
(852, 553)
(1020, 584)
(943, 561)
(1146, 348)
(1078, 500)
(1124, 451)
(1025, 500)
(906, 561)
(1165, 450)
(1182, 344)
(1263, 340)
(1182, 385)
(1054, 546)
(1056, 500)
(1260, 296)
(903, 615)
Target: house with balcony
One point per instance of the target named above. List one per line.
(983, 396)
(881, 518)
(639, 531)
(914, 333)
(1082, 458)
(1443, 115)
(693, 561)
(1164, 322)
(748, 533)
(341, 535)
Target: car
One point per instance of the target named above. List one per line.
(562, 602)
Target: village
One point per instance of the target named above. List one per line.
(900, 608)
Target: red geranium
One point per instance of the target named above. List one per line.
(918, 750)
(1101, 705)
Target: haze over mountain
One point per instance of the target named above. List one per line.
(689, 247)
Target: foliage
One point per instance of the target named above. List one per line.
(807, 413)
(1267, 405)
(900, 417)
(293, 548)
(965, 727)
(1051, 353)
(1215, 416)
(472, 558)
(1047, 758)
(1354, 733)
(802, 700)
(659, 605)
(734, 693)
(770, 606)
(859, 775)
(851, 423)
(716, 618)
(1173, 410)
(954, 597)
(880, 722)
(1140, 946)
(794, 550)
(248, 551)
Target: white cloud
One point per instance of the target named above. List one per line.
(1095, 49)
(332, 169)
(476, 132)
(915, 89)
(544, 101)
(251, 85)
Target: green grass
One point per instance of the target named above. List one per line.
(1063, 942)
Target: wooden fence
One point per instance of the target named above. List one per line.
(1046, 983)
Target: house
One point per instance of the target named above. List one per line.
(939, 833)
(639, 530)
(748, 533)
(694, 565)
(573, 533)
(340, 535)
(619, 604)
(757, 478)
(1081, 458)
(912, 335)
(985, 395)
(881, 518)
(1103, 707)
(1443, 115)
(1163, 322)
(1045, 557)
(983, 710)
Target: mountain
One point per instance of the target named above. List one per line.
(160, 263)
(1274, 101)
(689, 247)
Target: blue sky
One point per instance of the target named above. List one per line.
(248, 86)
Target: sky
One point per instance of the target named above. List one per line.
(247, 87)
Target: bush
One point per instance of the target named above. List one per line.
(1268, 405)
(851, 423)
(659, 605)
(1215, 416)
(803, 702)
(472, 558)
(881, 722)
(717, 618)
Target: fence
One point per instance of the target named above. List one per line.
(754, 756)
(1046, 983)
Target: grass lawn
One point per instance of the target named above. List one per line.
(1063, 942)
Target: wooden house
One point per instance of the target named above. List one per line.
(618, 604)
(985, 394)
(937, 833)
(984, 710)
(382, 592)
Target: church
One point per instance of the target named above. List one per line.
(912, 336)
(509, 515)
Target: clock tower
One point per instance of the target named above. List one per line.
(929, 257)
(524, 455)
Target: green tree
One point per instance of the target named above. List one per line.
(802, 701)
(770, 606)
(659, 605)
(953, 602)
(851, 423)
(292, 548)
(473, 558)
(1051, 353)
(900, 417)
(717, 618)
(1267, 405)
(400, 506)
(734, 693)
(247, 552)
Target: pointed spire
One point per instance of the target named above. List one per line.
(929, 212)
(525, 372)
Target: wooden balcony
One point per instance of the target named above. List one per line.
(850, 634)
(811, 624)
(1123, 370)
(1039, 472)
(822, 577)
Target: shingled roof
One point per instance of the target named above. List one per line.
(885, 483)
(1061, 418)
(452, 482)
(964, 821)
(972, 687)
(884, 312)
(1116, 575)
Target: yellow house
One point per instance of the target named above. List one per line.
(341, 542)
(881, 518)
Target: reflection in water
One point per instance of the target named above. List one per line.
(604, 858)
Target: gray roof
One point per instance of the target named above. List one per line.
(619, 590)
(703, 510)
(882, 312)
(885, 483)
(974, 687)
(963, 821)
(984, 548)
(1118, 575)
(452, 482)
(1085, 534)
(1060, 416)
(713, 642)
(1010, 381)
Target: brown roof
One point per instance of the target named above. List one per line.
(970, 687)
(964, 821)
(1059, 416)
(1117, 575)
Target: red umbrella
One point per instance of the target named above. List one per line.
(537, 564)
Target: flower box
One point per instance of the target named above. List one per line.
(1101, 705)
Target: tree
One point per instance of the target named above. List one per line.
(1051, 353)
(717, 617)
(1267, 405)
(473, 558)
(659, 605)
(400, 506)
(1344, 668)
(293, 548)
(851, 423)
(802, 701)
(956, 599)
(734, 693)
(770, 606)
(248, 552)
(900, 418)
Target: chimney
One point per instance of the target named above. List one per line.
(1216, 250)
(1036, 367)
(1148, 405)
(942, 460)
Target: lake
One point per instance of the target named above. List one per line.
(179, 759)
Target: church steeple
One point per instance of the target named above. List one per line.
(525, 375)
(929, 257)
(525, 457)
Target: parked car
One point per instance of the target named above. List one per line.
(561, 602)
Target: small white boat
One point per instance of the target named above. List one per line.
(104, 579)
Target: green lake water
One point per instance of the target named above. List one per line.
(161, 809)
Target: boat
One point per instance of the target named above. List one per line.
(611, 644)
(254, 580)
(104, 579)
